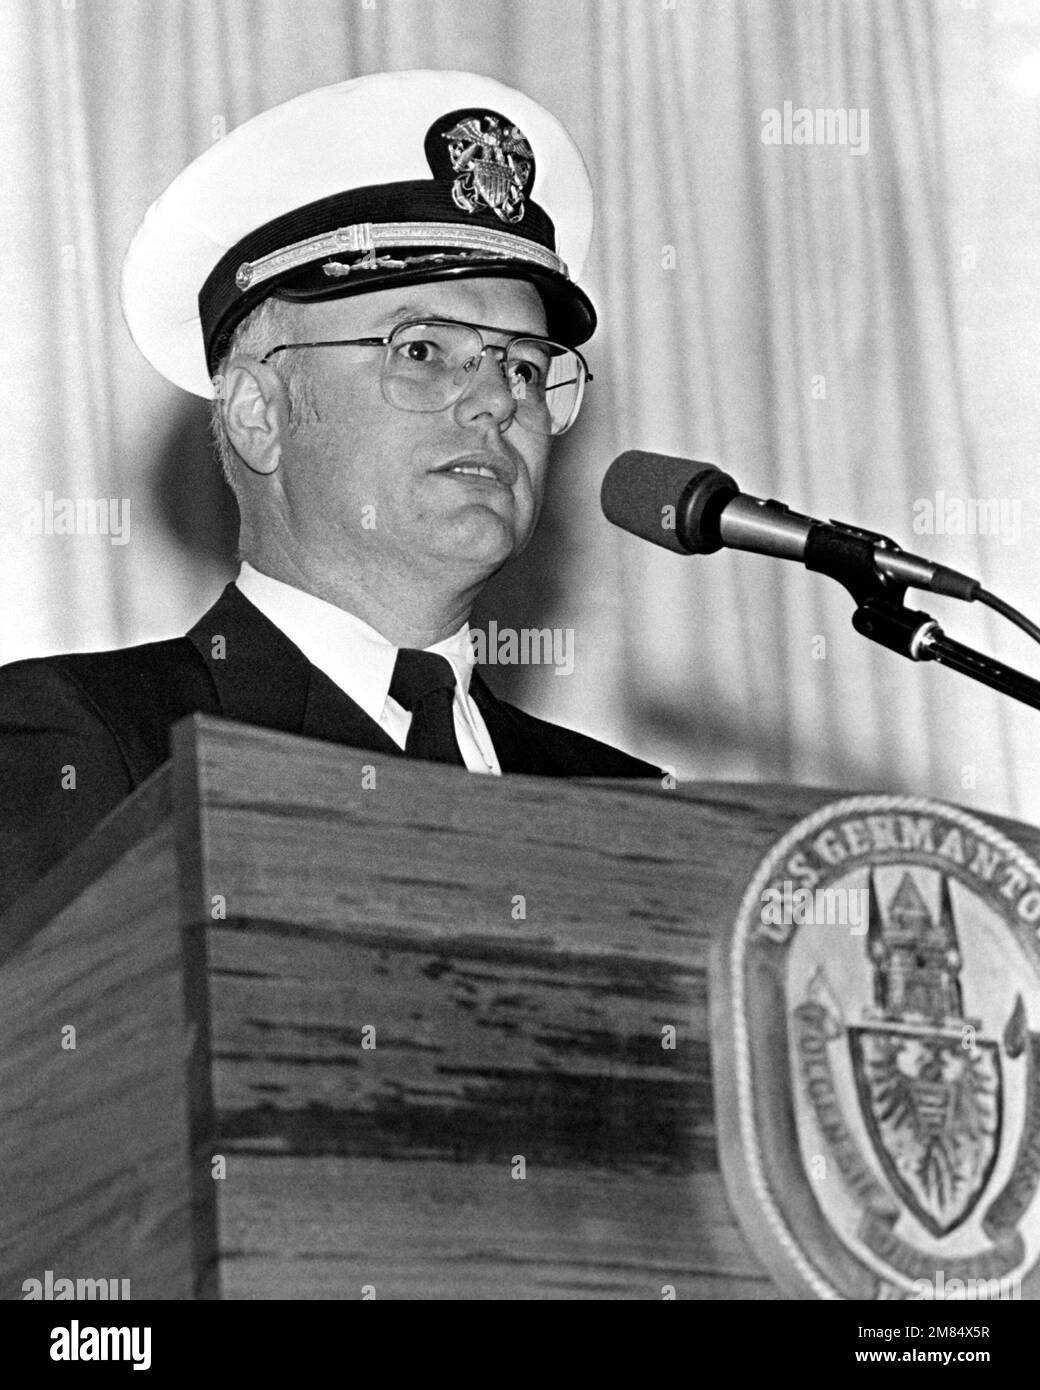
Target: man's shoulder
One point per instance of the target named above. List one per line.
(135, 693)
(87, 668)
(78, 732)
(149, 684)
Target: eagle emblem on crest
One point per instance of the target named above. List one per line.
(493, 164)
(931, 1104)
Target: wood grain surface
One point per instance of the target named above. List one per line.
(94, 1162)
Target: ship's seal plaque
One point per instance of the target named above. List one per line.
(876, 1016)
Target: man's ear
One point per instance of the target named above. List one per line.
(256, 412)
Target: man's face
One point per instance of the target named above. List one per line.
(368, 487)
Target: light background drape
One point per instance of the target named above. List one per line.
(851, 333)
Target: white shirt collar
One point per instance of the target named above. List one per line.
(352, 654)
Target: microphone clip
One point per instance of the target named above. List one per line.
(847, 554)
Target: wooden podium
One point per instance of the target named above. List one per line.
(349, 1026)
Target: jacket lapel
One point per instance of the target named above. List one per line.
(329, 714)
(516, 747)
(262, 678)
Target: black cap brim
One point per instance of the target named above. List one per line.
(569, 313)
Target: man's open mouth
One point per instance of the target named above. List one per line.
(474, 470)
(494, 470)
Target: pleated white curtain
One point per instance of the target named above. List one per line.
(791, 312)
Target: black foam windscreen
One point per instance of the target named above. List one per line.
(670, 501)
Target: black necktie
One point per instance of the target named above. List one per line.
(424, 683)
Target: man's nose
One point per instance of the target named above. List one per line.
(486, 391)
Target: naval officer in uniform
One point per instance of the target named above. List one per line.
(376, 284)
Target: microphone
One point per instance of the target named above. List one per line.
(696, 509)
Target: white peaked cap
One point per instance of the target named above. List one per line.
(393, 178)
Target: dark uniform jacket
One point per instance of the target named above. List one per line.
(108, 715)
